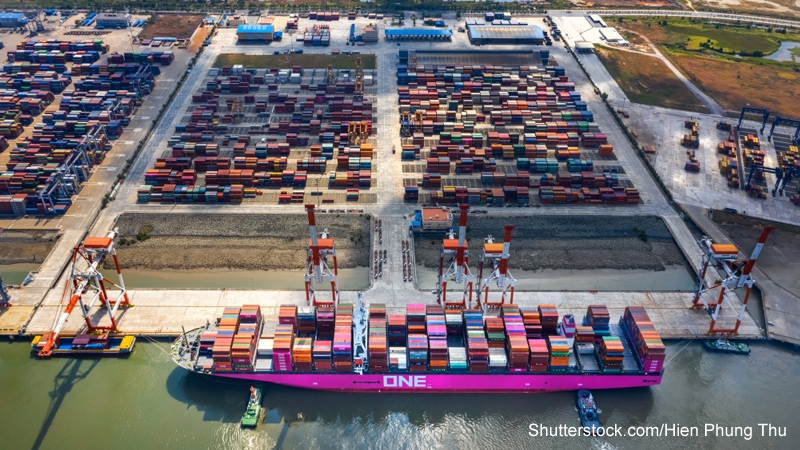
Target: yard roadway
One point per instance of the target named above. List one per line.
(680, 13)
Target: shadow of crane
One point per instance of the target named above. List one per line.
(66, 378)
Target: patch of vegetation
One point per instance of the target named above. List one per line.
(287, 61)
(646, 79)
(144, 232)
(725, 38)
(641, 234)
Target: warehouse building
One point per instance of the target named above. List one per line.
(253, 33)
(10, 20)
(611, 35)
(112, 20)
(418, 34)
(517, 35)
(436, 219)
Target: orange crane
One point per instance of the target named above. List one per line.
(85, 280)
(737, 275)
(319, 248)
(458, 268)
(497, 256)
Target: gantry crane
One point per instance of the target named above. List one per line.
(496, 255)
(237, 110)
(762, 111)
(358, 95)
(778, 120)
(85, 280)
(93, 141)
(737, 275)
(356, 132)
(458, 267)
(319, 248)
(330, 79)
(405, 124)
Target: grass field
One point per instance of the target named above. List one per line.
(180, 26)
(306, 60)
(684, 34)
(645, 79)
(734, 84)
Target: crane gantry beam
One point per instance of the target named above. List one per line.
(496, 255)
(317, 270)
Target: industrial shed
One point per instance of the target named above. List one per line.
(112, 20)
(12, 19)
(528, 34)
(611, 34)
(250, 33)
(418, 34)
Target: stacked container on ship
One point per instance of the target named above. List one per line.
(427, 348)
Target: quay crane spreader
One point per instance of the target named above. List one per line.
(458, 268)
(737, 275)
(497, 256)
(84, 277)
(319, 248)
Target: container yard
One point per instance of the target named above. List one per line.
(507, 135)
(47, 165)
(281, 136)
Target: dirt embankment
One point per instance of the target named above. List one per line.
(24, 246)
(236, 241)
(570, 243)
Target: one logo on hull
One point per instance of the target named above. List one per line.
(399, 381)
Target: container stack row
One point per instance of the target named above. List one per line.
(479, 115)
(29, 91)
(646, 342)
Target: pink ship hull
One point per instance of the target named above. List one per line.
(438, 382)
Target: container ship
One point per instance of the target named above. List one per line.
(359, 348)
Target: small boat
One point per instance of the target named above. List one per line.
(726, 346)
(250, 418)
(587, 410)
(87, 345)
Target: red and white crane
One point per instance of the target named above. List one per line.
(737, 275)
(86, 286)
(320, 247)
(497, 256)
(458, 267)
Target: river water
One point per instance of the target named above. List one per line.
(145, 402)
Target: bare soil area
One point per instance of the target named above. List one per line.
(180, 26)
(569, 242)
(236, 241)
(24, 246)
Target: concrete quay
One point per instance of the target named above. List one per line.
(164, 312)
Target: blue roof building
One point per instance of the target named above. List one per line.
(254, 32)
(12, 19)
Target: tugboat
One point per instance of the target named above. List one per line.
(250, 418)
(587, 410)
(726, 346)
